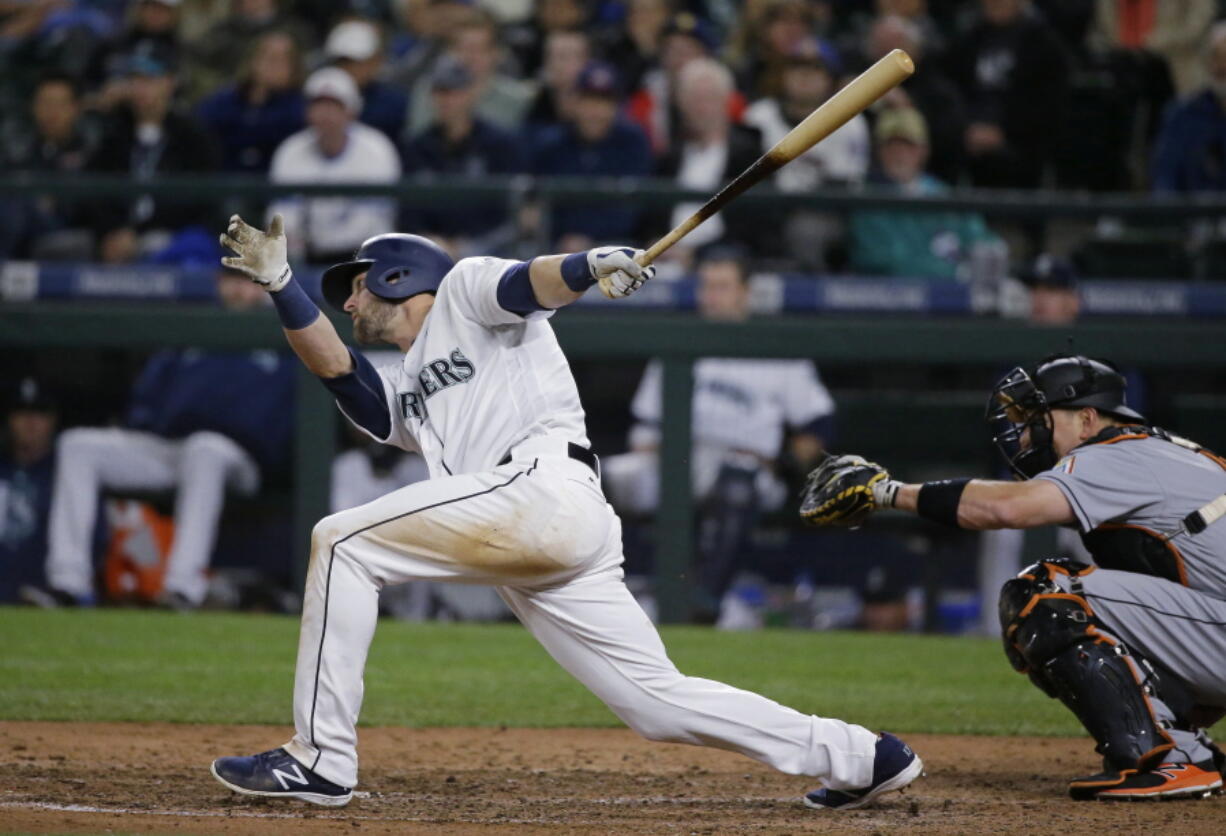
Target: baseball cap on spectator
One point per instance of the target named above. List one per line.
(1051, 272)
(450, 73)
(356, 40)
(692, 26)
(336, 84)
(905, 123)
(599, 79)
(31, 395)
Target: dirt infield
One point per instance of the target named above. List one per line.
(130, 778)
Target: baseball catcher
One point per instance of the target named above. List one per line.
(1134, 644)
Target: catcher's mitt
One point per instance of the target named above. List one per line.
(840, 491)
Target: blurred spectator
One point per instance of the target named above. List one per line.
(709, 151)
(768, 38)
(463, 145)
(805, 82)
(256, 113)
(1013, 72)
(334, 148)
(502, 99)
(151, 23)
(527, 42)
(1173, 29)
(1190, 155)
(423, 36)
(56, 137)
(805, 237)
(1054, 299)
(46, 36)
(199, 423)
(597, 143)
(914, 242)
(26, 464)
(355, 47)
(914, 15)
(742, 410)
(567, 52)
(929, 90)
(223, 48)
(148, 137)
(637, 44)
(653, 106)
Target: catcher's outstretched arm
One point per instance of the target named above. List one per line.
(845, 490)
(988, 504)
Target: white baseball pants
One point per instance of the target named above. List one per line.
(540, 530)
(199, 468)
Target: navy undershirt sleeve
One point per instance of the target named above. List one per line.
(515, 290)
(360, 394)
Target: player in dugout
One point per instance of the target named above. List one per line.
(513, 501)
(1135, 644)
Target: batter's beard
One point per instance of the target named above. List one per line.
(371, 325)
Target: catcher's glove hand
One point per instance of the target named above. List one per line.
(844, 490)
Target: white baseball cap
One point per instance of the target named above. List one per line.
(334, 83)
(356, 40)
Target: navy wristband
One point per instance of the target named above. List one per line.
(575, 272)
(295, 308)
(938, 501)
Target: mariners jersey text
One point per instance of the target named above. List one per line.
(434, 377)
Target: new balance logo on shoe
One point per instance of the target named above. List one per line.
(284, 777)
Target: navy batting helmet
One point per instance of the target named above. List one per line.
(397, 266)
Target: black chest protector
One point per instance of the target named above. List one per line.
(1134, 548)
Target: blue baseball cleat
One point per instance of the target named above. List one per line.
(275, 774)
(894, 767)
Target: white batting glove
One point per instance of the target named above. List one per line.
(617, 270)
(261, 255)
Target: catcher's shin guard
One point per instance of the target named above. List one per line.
(1053, 636)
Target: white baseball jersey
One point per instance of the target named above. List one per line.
(738, 404)
(479, 379)
(334, 224)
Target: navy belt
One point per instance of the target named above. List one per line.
(575, 451)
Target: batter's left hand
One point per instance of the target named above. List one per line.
(617, 270)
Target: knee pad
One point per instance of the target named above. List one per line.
(1054, 637)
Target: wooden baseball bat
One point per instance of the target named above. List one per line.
(835, 112)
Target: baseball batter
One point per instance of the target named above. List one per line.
(514, 500)
(1134, 645)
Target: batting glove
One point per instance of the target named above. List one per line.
(617, 270)
(261, 255)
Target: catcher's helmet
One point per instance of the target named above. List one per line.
(1023, 398)
(397, 266)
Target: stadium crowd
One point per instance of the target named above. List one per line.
(1025, 94)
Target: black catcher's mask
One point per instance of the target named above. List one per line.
(1024, 398)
